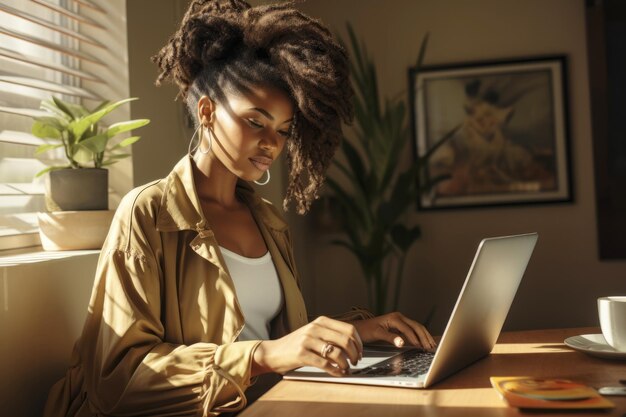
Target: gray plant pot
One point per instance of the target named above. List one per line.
(78, 189)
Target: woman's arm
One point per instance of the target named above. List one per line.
(305, 347)
(130, 369)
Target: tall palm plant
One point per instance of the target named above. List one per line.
(377, 198)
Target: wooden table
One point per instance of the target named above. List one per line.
(538, 353)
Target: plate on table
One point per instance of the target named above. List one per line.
(594, 345)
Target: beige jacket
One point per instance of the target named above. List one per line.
(163, 319)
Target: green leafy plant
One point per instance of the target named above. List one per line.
(377, 198)
(86, 143)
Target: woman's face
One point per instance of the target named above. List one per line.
(249, 130)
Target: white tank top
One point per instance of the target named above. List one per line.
(258, 291)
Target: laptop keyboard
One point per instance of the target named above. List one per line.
(410, 363)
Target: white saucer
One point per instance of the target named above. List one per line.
(594, 345)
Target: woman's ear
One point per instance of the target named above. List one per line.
(206, 110)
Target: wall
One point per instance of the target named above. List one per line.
(564, 276)
(165, 139)
(43, 305)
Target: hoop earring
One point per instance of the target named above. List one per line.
(208, 149)
(266, 181)
(192, 149)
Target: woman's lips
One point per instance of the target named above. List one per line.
(262, 163)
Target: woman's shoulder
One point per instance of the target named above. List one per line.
(137, 212)
(146, 196)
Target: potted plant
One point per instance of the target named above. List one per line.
(78, 190)
(374, 196)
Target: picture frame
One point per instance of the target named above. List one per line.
(492, 132)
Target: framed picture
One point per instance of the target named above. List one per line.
(492, 133)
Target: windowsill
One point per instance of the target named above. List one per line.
(36, 254)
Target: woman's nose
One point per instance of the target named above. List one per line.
(269, 141)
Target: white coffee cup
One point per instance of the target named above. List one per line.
(612, 314)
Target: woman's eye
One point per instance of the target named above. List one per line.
(283, 133)
(254, 123)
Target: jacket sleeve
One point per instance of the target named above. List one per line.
(355, 313)
(129, 367)
(130, 370)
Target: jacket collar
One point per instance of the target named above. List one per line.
(181, 209)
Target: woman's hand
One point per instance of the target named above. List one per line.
(307, 346)
(395, 328)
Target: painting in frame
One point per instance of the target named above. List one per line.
(496, 131)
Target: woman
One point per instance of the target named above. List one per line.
(196, 290)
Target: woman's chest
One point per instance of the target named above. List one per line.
(237, 231)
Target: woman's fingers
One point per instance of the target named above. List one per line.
(415, 332)
(426, 340)
(324, 343)
(342, 327)
(391, 337)
(342, 335)
(425, 337)
(399, 330)
(324, 355)
(327, 364)
(335, 354)
(394, 330)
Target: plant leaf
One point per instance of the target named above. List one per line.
(346, 201)
(50, 107)
(63, 106)
(422, 51)
(399, 140)
(404, 237)
(48, 169)
(356, 163)
(81, 155)
(79, 127)
(47, 147)
(95, 144)
(57, 123)
(101, 106)
(115, 158)
(120, 127)
(126, 142)
(441, 141)
(46, 129)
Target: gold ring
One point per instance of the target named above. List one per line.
(327, 349)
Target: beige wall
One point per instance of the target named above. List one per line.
(42, 309)
(565, 276)
(164, 140)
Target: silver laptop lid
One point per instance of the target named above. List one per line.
(483, 304)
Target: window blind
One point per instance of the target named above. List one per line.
(46, 47)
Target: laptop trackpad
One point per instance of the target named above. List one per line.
(372, 354)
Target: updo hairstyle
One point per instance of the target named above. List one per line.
(229, 46)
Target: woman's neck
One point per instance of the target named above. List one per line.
(214, 182)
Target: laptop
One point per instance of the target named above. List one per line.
(471, 332)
